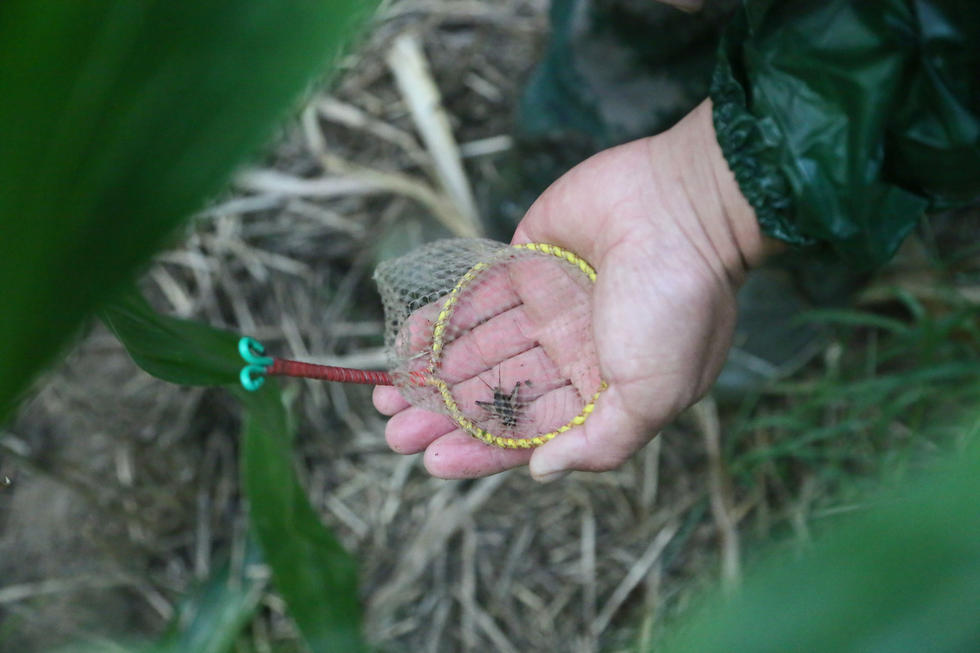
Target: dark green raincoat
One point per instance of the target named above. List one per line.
(845, 121)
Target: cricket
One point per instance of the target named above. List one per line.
(505, 406)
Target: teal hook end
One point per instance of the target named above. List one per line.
(252, 377)
(251, 351)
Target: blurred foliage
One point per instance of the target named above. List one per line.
(897, 395)
(119, 119)
(903, 577)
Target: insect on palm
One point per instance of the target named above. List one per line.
(505, 407)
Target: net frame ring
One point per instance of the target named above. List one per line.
(440, 325)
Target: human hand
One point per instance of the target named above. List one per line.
(662, 221)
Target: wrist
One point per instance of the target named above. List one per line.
(726, 222)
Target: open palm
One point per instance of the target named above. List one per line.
(662, 312)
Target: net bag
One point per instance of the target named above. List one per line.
(496, 337)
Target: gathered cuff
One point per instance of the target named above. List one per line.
(751, 148)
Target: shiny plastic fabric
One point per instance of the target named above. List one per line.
(844, 121)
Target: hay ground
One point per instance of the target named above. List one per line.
(124, 488)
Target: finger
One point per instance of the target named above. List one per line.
(542, 404)
(532, 368)
(555, 313)
(387, 400)
(458, 455)
(499, 338)
(607, 439)
(414, 429)
(490, 294)
(559, 306)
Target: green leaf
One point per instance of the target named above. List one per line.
(175, 350)
(902, 578)
(311, 570)
(210, 618)
(119, 118)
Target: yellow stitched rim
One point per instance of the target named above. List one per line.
(438, 335)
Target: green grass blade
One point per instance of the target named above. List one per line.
(210, 618)
(315, 575)
(119, 118)
(853, 318)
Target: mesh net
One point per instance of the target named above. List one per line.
(497, 337)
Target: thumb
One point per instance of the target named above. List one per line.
(609, 436)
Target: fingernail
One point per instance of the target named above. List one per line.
(552, 476)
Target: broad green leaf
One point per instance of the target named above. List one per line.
(315, 575)
(902, 578)
(175, 350)
(119, 118)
